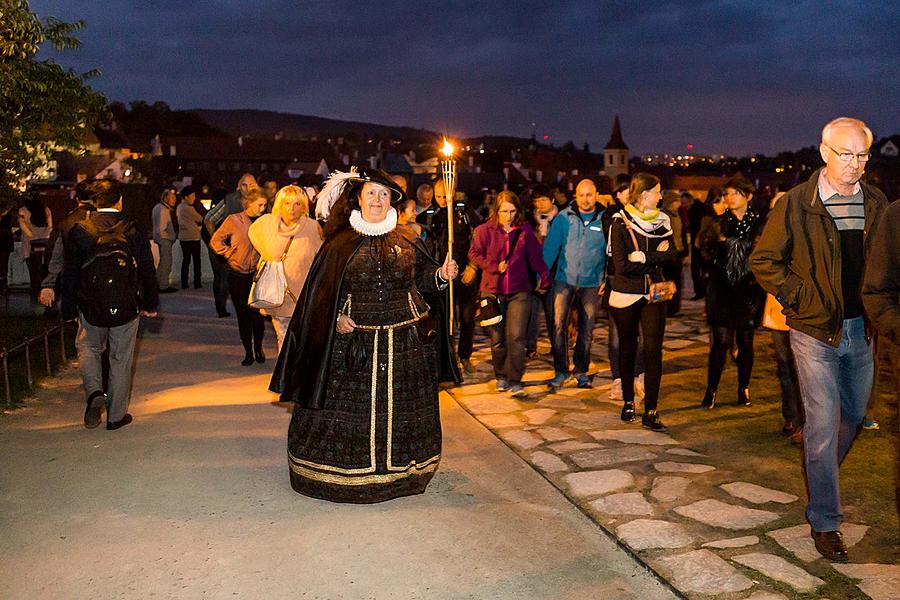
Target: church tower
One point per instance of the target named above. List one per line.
(615, 154)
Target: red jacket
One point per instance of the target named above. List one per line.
(490, 246)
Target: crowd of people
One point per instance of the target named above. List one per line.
(362, 294)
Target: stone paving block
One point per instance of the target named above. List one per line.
(538, 416)
(501, 421)
(757, 494)
(677, 344)
(634, 436)
(765, 595)
(523, 440)
(474, 389)
(879, 582)
(678, 327)
(703, 572)
(610, 456)
(727, 516)
(667, 488)
(683, 452)
(595, 419)
(680, 467)
(797, 539)
(553, 434)
(548, 463)
(775, 567)
(738, 542)
(573, 446)
(629, 503)
(561, 402)
(645, 534)
(486, 404)
(594, 483)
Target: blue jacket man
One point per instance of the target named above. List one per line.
(575, 251)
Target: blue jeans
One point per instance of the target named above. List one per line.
(508, 337)
(835, 384)
(585, 299)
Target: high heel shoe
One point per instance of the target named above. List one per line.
(628, 412)
(651, 421)
(743, 398)
(709, 399)
(248, 360)
(260, 357)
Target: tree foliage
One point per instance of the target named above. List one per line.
(42, 105)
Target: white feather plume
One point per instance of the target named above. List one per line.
(332, 190)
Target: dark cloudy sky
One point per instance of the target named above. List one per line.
(733, 77)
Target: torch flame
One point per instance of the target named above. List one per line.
(447, 149)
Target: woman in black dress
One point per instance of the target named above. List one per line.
(358, 358)
(734, 301)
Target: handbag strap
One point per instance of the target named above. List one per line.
(630, 228)
(286, 248)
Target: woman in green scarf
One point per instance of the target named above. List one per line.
(641, 244)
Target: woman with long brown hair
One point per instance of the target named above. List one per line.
(509, 255)
(640, 245)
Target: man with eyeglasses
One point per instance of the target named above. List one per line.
(811, 257)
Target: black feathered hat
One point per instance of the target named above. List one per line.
(342, 183)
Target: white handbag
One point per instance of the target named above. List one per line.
(270, 283)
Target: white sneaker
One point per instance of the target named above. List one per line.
(639, 387)
(615, 390)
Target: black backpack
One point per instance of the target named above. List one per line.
(109, 285)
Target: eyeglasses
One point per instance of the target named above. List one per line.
(848, 156)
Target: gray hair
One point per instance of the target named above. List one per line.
(845, 122)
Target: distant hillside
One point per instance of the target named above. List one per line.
(269, 123)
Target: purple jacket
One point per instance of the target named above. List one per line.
(490, 246)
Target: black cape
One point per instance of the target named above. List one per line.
(301, 372)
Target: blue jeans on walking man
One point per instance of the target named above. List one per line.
(585, 300)
(835, 384)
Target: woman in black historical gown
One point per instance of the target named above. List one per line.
(359, 356)
(734, 300)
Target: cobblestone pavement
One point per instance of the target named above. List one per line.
(708, 531)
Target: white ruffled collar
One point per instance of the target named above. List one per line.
(363, 227)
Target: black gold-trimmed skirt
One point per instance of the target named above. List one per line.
(379, 435)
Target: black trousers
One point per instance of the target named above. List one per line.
(466, 300)
(722, 340)
(220, 281)
(190, 252)
(650, 319)
(251, 325)
(791, 405)
(698, 275)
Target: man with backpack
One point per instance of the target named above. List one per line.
(110, 273)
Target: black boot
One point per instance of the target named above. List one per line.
(628, 412)
(651, 421)
(260, 356)
(248, 358)
(743, 398)
(709, 399)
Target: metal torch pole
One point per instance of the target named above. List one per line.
(449, 177)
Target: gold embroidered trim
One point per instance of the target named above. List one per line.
(405, 323)
(390, 398)
(414, 468)
(373, 397)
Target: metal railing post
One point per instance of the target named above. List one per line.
(6, 378)
(28, 364)
(47, 351)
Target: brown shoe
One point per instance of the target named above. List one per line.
(830, 544)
